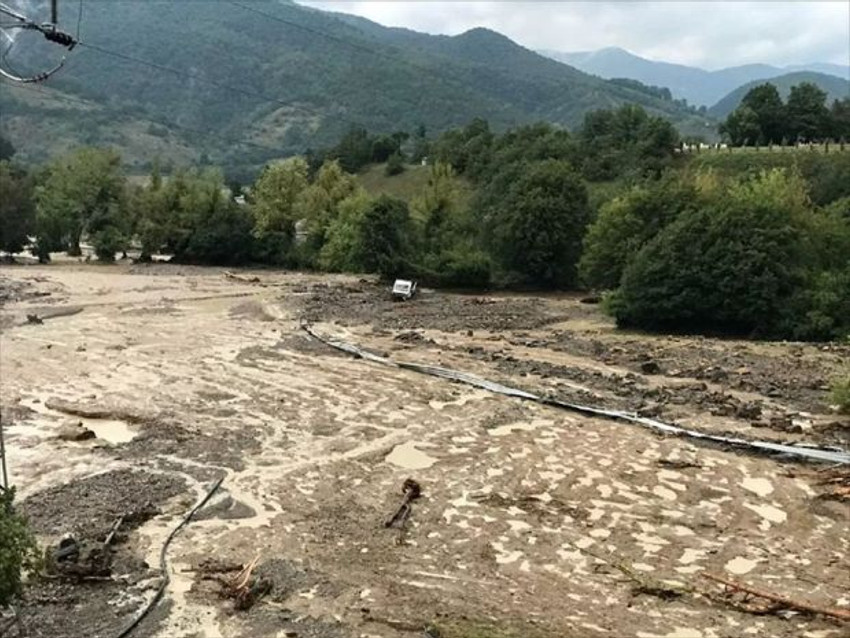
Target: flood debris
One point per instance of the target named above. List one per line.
(79, 560)
(773, 602)
(245, 589)
(163, 561)
(241, 278)
(835, 482)
(411, 490)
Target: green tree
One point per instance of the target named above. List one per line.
(731, 266)
(18, 550)
(468, 149)
(319, 203)
(808, 115)
(386, 237)
(81, 188)
(840, 119)
(626, 223)
(17, 208)
(769, 110)
(370, 235)
(275, 200)
(354, 150)
(7, 149)
(742, 127)
(625, 140)
(151, 210)
(341, 250)
(450, 254)
(537, 220)
(395, 164)
(208, 226)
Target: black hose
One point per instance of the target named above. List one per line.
(163, 563)
(768, 447)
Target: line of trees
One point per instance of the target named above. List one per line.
(763, 118)
(681, 245)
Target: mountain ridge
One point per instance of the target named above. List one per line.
(836, 88)
(698, 86)
(289, 77)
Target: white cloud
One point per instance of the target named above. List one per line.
(707, 34)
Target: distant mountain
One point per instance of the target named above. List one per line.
(698, 86)
(836, 89)
(303, 77)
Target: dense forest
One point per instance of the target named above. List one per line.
(753, 244)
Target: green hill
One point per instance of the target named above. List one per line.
(243, 82)
(836, 89)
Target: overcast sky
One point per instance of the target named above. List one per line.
(706, 34)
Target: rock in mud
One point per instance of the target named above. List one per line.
(75, 431)
(650, 367)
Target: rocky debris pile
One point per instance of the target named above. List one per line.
(88, 508)
(370, 303)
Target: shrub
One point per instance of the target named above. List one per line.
(395, 165)
(625, 224)
(18, 550)
(107, 242)
(841, 393)
(537, 214)
(731, 267)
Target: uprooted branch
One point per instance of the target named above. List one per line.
(411, 491)
(244, 588)
(783, 602)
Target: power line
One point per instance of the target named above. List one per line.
(321, 34)
(180, 72)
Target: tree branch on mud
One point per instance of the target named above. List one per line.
(779, 602)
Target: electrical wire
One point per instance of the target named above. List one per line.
(181, 73)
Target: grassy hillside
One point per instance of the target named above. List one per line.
(828, 174)
(243, 87)
(836, 89)
(407, 185)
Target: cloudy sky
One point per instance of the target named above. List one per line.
(707, 34)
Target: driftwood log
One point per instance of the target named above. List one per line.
(782, 601)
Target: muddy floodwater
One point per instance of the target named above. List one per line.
(144, 384)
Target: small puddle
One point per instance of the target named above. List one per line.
(114, 432)
(409, 457)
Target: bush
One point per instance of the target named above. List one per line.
(537, 214)
(462, 266)
(841, 393)
(395, 165)
(732, 267)
(625, 224)
(107, 242)
(18, 550)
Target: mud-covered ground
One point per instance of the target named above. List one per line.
(533, 521)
